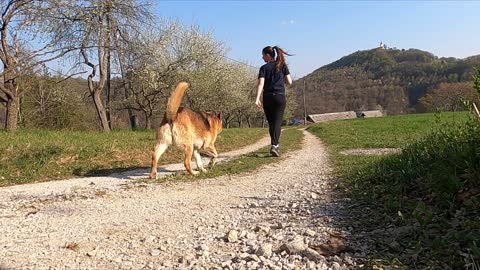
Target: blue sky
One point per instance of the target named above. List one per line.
(320, 32)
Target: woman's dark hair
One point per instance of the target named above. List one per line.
(279, 52)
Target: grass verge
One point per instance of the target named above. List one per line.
(385, 132)
(41, 155)
(423, 203)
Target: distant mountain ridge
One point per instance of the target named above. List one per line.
(393, 80)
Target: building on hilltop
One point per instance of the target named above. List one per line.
(382, 45)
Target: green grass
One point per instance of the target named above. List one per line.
(417, 188)
(392, 131)
(291, 139)
(41, 155)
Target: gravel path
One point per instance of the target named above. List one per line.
(114, 181)
(281, 217)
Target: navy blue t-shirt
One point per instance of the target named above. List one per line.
(274, 81)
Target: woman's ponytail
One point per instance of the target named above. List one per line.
(280, 60)
(280, 56)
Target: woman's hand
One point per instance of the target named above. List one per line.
(258, 103)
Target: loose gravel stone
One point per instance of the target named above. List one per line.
(265, 250)
(232, 236)
(293, 247)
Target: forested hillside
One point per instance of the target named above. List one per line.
(397, 81)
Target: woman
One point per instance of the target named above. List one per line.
(271, 82)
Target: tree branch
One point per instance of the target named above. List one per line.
(4, 35)
(15, 37)
(70, 76)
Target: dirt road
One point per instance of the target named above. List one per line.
(282, 216)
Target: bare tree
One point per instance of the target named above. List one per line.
(98, 24)
(226, 87)
(159, 58)
(122, 43)
(50, 101)
(28, 39)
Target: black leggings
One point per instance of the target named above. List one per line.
(274, 106)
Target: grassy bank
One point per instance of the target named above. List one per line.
(41, 155)
(385, 132)
(424, 200)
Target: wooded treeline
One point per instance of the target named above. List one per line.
(129, 60)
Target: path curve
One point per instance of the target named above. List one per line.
(248, 221)
(114, 181)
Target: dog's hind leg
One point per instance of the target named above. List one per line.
(164, 139)
(157, 153)
(188, 159)
(198, 159)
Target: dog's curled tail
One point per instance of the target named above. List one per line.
(174, 101)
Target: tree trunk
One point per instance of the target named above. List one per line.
(148, 123)
(108, 103)
(13, 106)
(131, 115)
(133, 120)
(148, 120)
(108, 50)
(249, 124)
(97, 100)
(103, 51)
(126, 86)
(12, 102)
(227, 120)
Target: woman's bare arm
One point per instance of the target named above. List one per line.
(288, 79)
(261, 82)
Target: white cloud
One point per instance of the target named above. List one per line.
(291, 22)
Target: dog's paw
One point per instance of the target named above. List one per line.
(204, 170)
(195, 173)
(153, 176)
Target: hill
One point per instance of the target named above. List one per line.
(397, 81)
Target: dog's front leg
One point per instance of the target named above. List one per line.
(211, 151)
(198, 159)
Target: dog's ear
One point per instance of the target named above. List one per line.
(219, 115)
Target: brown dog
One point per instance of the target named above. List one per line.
(189, 130)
